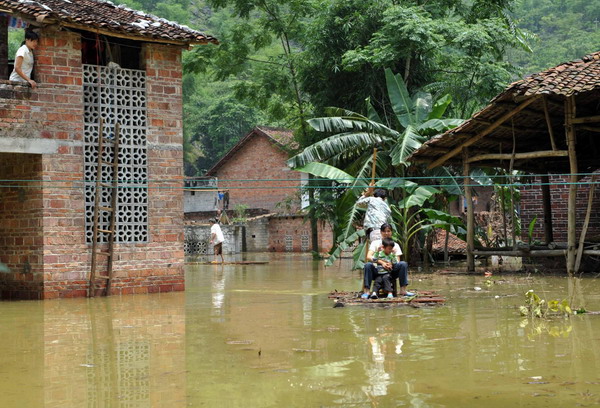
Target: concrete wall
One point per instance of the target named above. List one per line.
(199, 201)
(48, 121)
(531, 206)
(257, 234)
(269, 233)
(197, 239)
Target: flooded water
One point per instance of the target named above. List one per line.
(268, 336)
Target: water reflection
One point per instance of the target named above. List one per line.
(268, 336)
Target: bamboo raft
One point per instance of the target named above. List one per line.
(422, 297)
(232, 263)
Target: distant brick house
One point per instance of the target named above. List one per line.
(48, 147)
(255, 173)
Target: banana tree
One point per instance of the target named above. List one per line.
(352, 139)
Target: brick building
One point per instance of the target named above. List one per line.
(532, 206)
(94, 62)
(254, 171)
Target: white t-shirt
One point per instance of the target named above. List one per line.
(374, 247)
(26, 66)
(216, 229)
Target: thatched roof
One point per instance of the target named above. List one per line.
(94, 15)
(521, 110)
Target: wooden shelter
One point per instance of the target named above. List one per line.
(546, 123)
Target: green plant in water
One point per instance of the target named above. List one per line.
(538, 307)
(530, 231)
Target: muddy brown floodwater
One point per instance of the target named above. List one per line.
(268, 336)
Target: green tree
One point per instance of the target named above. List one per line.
(441, 46)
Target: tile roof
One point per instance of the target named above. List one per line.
(282, 138)
(579, 78)
(104, 15)
(570, 78)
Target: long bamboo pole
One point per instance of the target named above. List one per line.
(586, 224)
(570, 111)
(470, 214)
(519, 156)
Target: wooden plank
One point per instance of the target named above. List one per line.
(421, 297)
(519, 156)
(483, 133)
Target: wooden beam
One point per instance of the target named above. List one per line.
(470, 214)
(570, 112)
(585, 119)
(535, 253)
(547, 206)
(590, 128)
(519, 156)
(549, 123)
(483, 133)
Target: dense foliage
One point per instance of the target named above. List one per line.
(282, 62)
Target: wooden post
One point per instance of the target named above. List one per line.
(470, 215)
(547, 204)
(570, 111)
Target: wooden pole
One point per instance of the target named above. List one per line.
(547, 205)
(470, 215)
(586, 223)
(548, 122)
(570, 111)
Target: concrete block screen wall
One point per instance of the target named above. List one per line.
(42, 137)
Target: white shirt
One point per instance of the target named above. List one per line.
(26, 66)
(216, 229)
(374, 247)
(378, 212)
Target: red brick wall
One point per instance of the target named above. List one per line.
(280, 227)
(55, 111)
(531, 206)
(21, 226)
(258, 159)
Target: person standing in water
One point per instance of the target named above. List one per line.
(217, 238)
